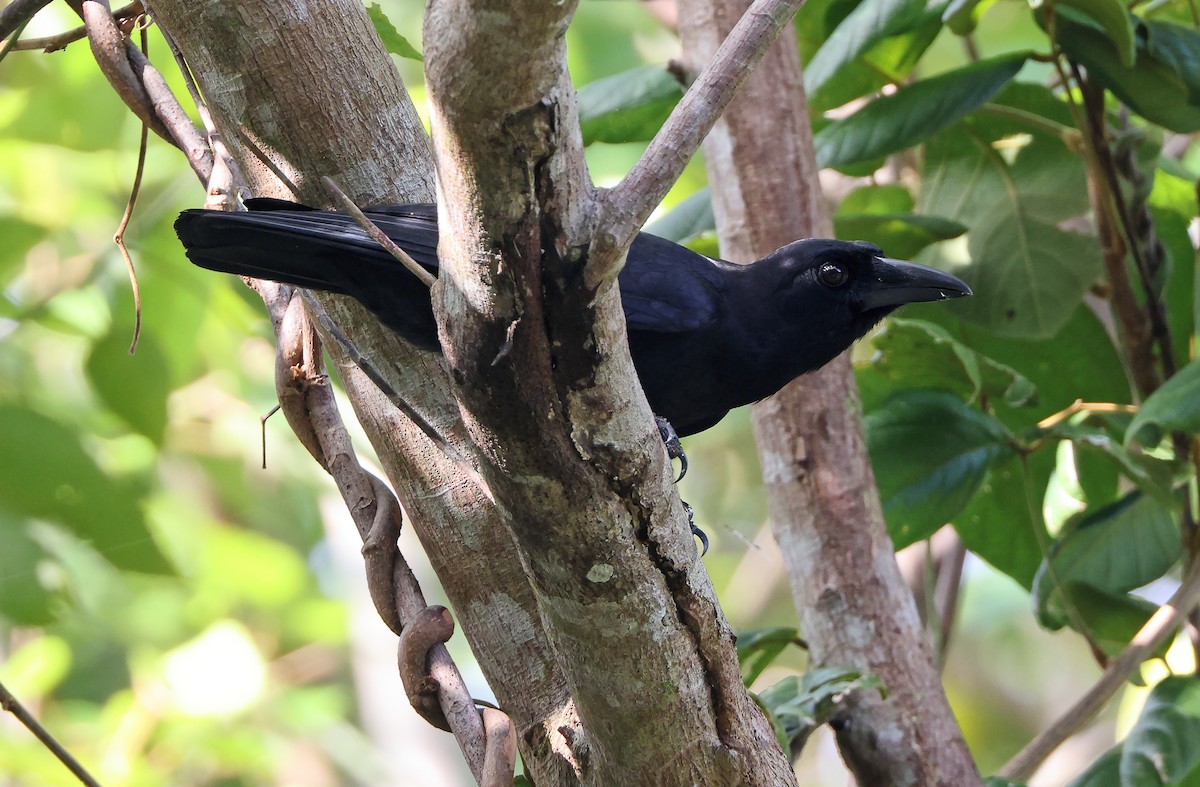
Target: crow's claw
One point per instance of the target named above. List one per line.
(697, 532)
(671, 441)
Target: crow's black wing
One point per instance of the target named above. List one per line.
(667, 288)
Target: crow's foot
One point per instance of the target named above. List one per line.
(671, 441)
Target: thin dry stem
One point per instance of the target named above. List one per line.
(1161, 624)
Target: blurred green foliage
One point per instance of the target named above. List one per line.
(175, 614)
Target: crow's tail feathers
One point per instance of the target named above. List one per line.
(323, 250)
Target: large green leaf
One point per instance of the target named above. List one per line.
(1174, 406)
(49, 476)
(134, 387)
(1164, 746)
(914, 113)
(389, 35)
(24, 599)
(1114, 549)
(1079, 362)
(689, 219)
(1105, 771)
(916, 353)
(1113, 18)
(1163, 85)
(627, 107)
(1028, 274)
(901, 235)
(878, 42)
(930, 453)
(999, 525)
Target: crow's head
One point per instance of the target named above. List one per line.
(831, 292)
(852, 283)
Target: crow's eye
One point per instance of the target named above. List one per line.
(833, 275)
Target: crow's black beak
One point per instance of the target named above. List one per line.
(895, 282)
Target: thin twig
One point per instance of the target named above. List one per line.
(112, 55)
(1160, 625)
(347, 205)
(11, 704)
(60, 41)
(119, 235)
(625, 207)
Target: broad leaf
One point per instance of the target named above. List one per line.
(389, 35)
(876, 199)
(1000, 526)
(627, 107)
(689, 219)
(915, 353)
(134, 387)
(901, 235)
(1114, 549)
(24, 600)
(1163, 85)
(859, 39)
(1164, 746)
(1113, 18)
(1105, 771)
(756, 649)
(49, 476)
(1174, 406)
(914, 113)
(1028, 274)
(930, 453)
(798, 706)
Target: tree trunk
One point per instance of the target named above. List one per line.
(854, 607)
(562, 546)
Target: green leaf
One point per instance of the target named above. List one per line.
(901, 235)
(802, 704)
(1164, 83)
(962, 16)
(757, 648)
(914, 113)
(1112, 16)
(930, 453)
(1111, 619)
(1174, 406)
(689, 219)
(49, 476)
(24, 600)
(998, 524)
(135, 387)
(627, 107)
(916, 353)
(1105, 771)
(389, 35)
(1013, 192)
(1152, 476)
(868, 24)
(876, 199)
(1164, 746)
(19, 237)
(1113, 549)
(1079, 362)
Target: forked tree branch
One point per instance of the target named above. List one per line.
(625, 207)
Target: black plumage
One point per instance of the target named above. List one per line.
(705, 335)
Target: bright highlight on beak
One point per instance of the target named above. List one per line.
(896, 282)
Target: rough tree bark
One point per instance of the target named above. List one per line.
(254, 64)
(855, 609)
(560, 542)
